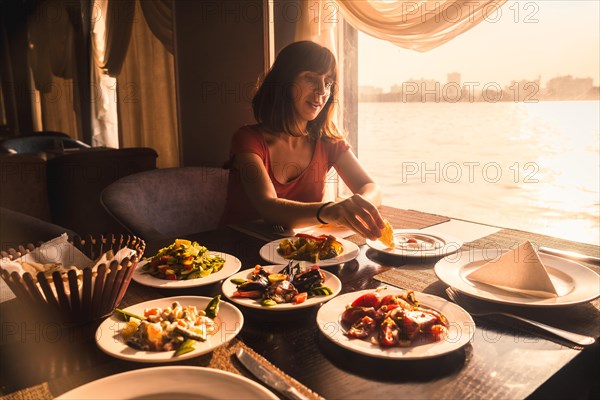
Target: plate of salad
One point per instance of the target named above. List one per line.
(395, 324)
(322, 250)
(185, 264)
(282, 288)
(170, 329)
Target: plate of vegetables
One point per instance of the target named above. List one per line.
(323, 250)
(169, 329)
(185, 264)
(395, 324)
(282, 288)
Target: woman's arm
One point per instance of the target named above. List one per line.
(359, 211)
(261, 192)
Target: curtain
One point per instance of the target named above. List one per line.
(315, 23)
(51, 57)
(111, 24)
(418, 25)
(159, 16)
(146, 94)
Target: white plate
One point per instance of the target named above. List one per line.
(460, 331)
(108, 338)
(429, 244)
(331, 281)
(269, 253)
(231, 266)
(574, 282)
(171, 382)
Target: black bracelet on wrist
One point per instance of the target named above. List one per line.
(321, 209)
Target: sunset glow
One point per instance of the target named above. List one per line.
(529, 39)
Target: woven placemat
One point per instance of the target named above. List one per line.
(403, 219)
(38, 392)
(582, 318)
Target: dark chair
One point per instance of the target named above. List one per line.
(23, 185)
(75, 181)
(168, 202)
(40, 143)
(20, 229)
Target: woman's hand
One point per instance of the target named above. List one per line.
(356, 213)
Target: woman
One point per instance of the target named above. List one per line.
(279, 166)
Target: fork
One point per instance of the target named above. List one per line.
(477, 310)
(278, 229)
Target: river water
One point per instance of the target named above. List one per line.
(530, 166)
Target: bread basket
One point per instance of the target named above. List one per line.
(77, 295)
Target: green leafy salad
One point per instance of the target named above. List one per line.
(183, 260)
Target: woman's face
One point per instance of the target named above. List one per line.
(310, 93)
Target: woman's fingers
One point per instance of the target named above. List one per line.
(360, 215)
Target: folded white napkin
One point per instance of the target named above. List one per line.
(519, 270)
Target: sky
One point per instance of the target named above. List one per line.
(529, 39)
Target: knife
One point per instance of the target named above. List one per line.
(570, 254)
(268, 377)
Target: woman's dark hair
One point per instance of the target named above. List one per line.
(273, 103)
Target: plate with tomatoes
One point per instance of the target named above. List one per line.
(322, 250)
(257, 287)
(418, 244)
(230, 266)
(395, 324)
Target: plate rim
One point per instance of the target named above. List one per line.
(162, 356)
(394, 352)
(151, 281)
(286, 307)
(352, 253)
(475, 255)
(160, 372)
(377, 246)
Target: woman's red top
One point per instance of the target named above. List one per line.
(308, 186)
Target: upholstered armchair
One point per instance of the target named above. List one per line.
(168, 202)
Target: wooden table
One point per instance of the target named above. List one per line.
(502, 361)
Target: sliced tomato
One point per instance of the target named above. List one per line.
(384, 311)
(389, 299)
(300, 298)
(311, 237)
(367, 300)
(388, 333)
(252, 294)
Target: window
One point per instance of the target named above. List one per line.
(500, 125)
